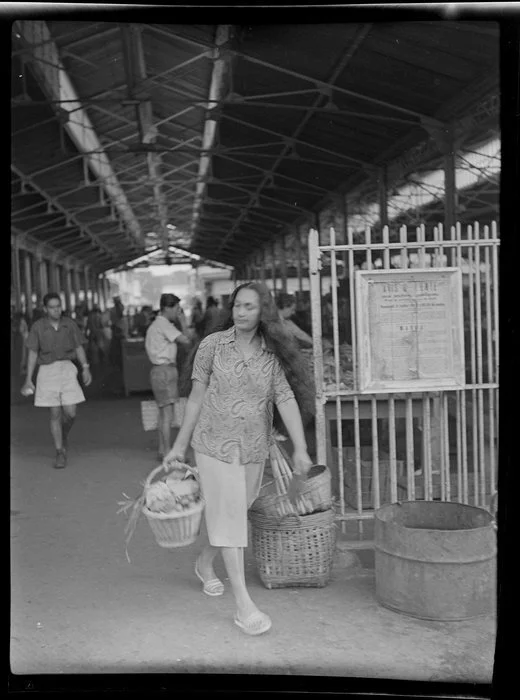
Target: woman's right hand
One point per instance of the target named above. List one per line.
(176, 454)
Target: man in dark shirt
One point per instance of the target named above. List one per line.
(54, 341)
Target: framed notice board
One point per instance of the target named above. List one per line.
(410, 330)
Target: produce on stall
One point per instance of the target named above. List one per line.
(329, 365)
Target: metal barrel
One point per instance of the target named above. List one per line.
(435, 560)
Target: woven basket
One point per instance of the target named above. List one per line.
(150, 414)
(315, 492)
(177, 529)
(295, 552)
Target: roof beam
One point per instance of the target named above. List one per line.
(84, 230)
(291, 140)
(32, 245)
(135, 70)
(289, 143)
(216, 91)
(329, 86)
(273, 175)
(58, 86)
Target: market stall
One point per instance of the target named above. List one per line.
(136, 366)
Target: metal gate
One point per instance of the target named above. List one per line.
(407, 446)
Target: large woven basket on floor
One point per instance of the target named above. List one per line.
(177, 529)
(315, 494)
(295, 552)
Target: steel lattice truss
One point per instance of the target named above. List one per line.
(131, 138)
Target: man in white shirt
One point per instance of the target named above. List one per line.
(161, 347)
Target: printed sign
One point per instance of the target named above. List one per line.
(410, 330)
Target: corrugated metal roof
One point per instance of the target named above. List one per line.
(306, 109)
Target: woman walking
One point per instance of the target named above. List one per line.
(242, 374)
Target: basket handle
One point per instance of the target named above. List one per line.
(290, 516)
(163, 467)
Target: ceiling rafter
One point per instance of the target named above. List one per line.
(330, 109)
(289, 143)
(336, 88)
(84, 230)
(177, 37)
(216, 91)
(274, 175)
(135, 71)
(57, 85)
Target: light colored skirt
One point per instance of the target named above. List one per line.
(228, 490)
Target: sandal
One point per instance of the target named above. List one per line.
(213, 587)
(257, 623)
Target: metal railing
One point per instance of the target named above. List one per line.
(440, 444)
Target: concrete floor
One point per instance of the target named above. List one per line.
(78, 606)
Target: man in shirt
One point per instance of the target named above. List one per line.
(161, 347)
(286, 308)
(53, 342)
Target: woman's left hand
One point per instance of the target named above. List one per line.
(301, 462)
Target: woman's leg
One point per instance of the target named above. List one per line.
(234, 562)
(165, 426)
(207, 556)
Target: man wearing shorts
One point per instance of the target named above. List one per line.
(161, 347)
(54, 341)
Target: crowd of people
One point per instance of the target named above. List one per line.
(242, 374)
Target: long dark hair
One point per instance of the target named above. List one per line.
(279, 340)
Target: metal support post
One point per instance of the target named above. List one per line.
(68, 288)
(88, 302)
(106, 287)
(298, 239)
(77, 286)
(15, 266)
(450, 187)
(447, 144)
(41, 278)
(53, 287)
(283, 264)
(262, 264)
(383, 196)
(28, 287)
(273, 266)
(101, 293)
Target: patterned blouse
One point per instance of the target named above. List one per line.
(237, 411)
